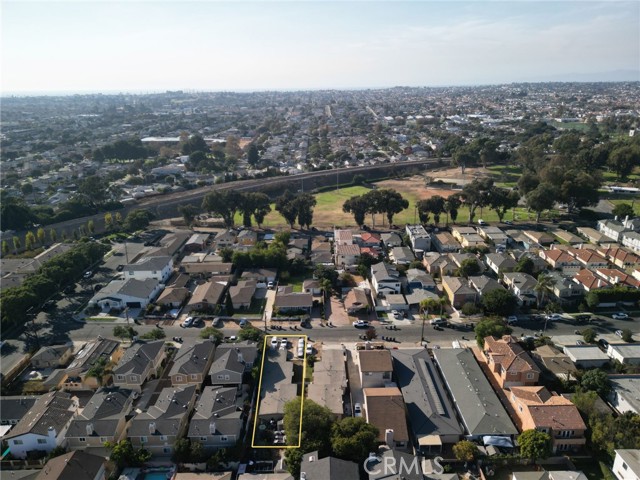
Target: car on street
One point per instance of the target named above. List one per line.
(120, 268)
(357, 410)
(187, 322)
(88, 274)
(396, 314)
(438, 321)
(360, 323)
(554, 317)
(619, 333)
(619, 316)
(508, 222)
(482, 223)
(512, 319)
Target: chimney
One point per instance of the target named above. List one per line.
(388, 437)
(89, 429)
(152, 428)
(212, 428)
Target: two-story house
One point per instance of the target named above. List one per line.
(140, 363)
(99, 352)
(458, 291)
(218, 418)
(419, 238)
(500, 263)
(232, 361)
(445, 242)
(43, 428)
(522, 285)
(385, 278)
(509, 363)
(103, 419)
(589, 258)
(164, 422)
(346, 255)
(611, 228)
(192, 362)
(54, 356)
(588, 280)
(158, 268)
(376, 368)
(206, 296)
(561, 260)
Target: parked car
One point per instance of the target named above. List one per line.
(512, 319)
(482, 223)
(603, 343)
(270, 285)
(217, 322)
(197, 322)
(187, 322)
(309, 349)
(554, 317)
(357, 410)
(88, 274)
(274, 342)
(619, 316)
(360, 323)
(300, 352)
(580, 342)
(120, 268)
(438, 321)
(243, 322)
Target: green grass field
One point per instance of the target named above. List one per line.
(630, 201)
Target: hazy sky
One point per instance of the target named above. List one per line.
(55, 46)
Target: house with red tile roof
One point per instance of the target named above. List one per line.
(620, 257)
(561, 260)
(589, 258)
(589, 280)
(509, 363)
(617, 277)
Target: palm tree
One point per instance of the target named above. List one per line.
(545, 285)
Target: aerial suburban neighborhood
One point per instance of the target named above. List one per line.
(322, 285)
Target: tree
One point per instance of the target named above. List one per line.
(627, 335)
(358, 206)
(53, 235)
(544, 286)
(491, 326)
(476, 194)
(501, 200)
(589, 335)
(352, 438)
(262, 207)
(434, 205)
(16, 244)
(535, 445)
(108, 221)
(194, 143)
(623, 159)
(155, 334)
(181, 451)
(542, 198)
(579, 189)
(124, 332)
(305, 203)
(253, 157)
(287, 207)
(224, 203)
(208, 332)
(499, 302)
(5, 248)
(250, 333)
(393, 202)
(527, 182)
(90, 227)
(623, 210)
(597, 381)
(138, 219)
(468, 268)
(29, 240)
(188, 212)
(525, 265)
(465, 451)
(41, 235)
(451, 207)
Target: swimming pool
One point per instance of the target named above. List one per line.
(158, 475)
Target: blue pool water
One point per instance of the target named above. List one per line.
(156, 475)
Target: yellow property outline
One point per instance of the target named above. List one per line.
(304, 376)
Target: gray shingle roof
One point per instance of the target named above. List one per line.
(76, 465)
(148, 264)
(327, 468)
(478, 405)
(53, 409)
(137, 358)
(165, 415)
(103, 412)
(15, 407)
(193, 357)
(219, 406)
(226, 356)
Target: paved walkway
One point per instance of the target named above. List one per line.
(353, 374)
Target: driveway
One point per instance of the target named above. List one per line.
(336, 314)
(353, 374)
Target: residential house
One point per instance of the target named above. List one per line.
(554, 363)
(476, 402)
(277, 386)
(207, 269)
(242, 294)
(494, 235)
(401, 255)
(262, 276)
(328, 468)
(77, 465)
(140, 362)
(567, 237)
(593, 235)
(246, 238)
(390, 240)
(43, 428)
(432, 416)
(289, 301)
(626, 464)
(130, 292)
(218, 419)
(225, 239)
(589, 258)
(385, 409)
(419, 238)
(418, 279)
(370, 240)
(98, 352)
(539, 238)
(445, 242)
(460, 231)
(458, 291)
(385, 278)
(157, 268)
(376, 368)
(312, 286)
(321, 254)
(196, 243)
(631, 240)
(624, 395)
(588, 280)
(173, 297)
(586, 356)
(356, 300)
(522, 285)
(500, 263)
(537, 408)
(433, 262)
(625, 353)
(161, 424)
(55, 356)
(206, 296)
(192, 362)
(346, 255)
(459, 259)
(483, 284)
(231, 362)
(561, 260)
(103, 419)
(611, 228)
(329, 381)
(617, 277)
(342, 237)
(13, 408)
(620, 257)
(509, 363)
(563, 289)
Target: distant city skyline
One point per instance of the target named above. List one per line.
(151, 46)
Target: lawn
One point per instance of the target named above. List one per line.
(295, 281)
(631, 201)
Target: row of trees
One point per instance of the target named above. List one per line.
(55, 274)
(383, 201)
